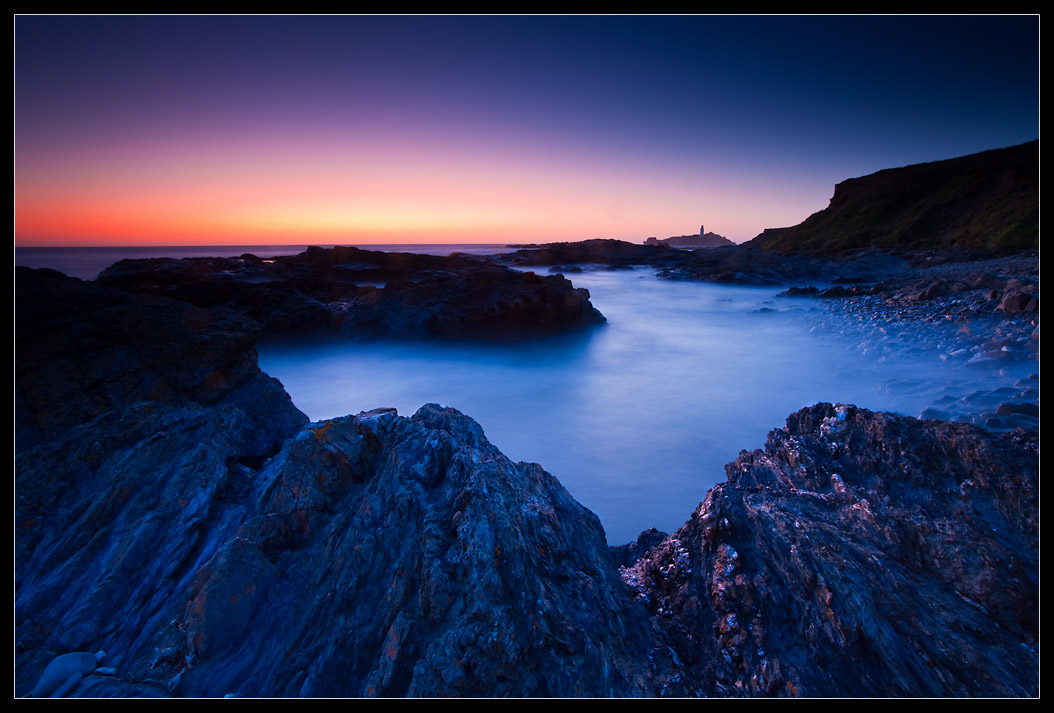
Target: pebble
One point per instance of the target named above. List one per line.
(965, 324)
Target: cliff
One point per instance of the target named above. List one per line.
(174, 510)
(987, 201)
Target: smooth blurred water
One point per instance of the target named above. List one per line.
(638, 418)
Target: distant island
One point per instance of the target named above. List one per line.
(702, 240)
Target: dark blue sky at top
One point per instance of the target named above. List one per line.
(829, 96)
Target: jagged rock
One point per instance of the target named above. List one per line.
(370, 555)
(626, 555)
(1019, 302)
(374, 555)
(137, 418)
(858, 554)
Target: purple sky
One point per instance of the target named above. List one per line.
(300, 129)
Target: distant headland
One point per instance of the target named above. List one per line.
(702, 240)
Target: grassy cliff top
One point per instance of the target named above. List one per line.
(987, 201)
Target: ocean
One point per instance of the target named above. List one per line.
(637, 418)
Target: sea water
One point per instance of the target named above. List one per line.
(636, 418)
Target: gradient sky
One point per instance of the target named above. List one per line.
(182, 130)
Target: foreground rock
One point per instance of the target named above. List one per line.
(373, 556)
(858, 554)
(212, 543)
(357, 293)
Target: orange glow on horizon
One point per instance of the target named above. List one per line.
(208, 130)
(328, 189)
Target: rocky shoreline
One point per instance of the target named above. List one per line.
(175, 510)
(965, 307)
(975, 314)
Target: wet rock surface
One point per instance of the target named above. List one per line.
(857, 554)
(349, 292)
(971, 311)
(374, 555)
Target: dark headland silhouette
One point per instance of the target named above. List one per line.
(987, 201)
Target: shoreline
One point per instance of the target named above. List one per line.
(981, 314)
(166, 484)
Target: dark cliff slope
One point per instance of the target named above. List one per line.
(987, 201)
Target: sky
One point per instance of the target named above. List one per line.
(250, 130)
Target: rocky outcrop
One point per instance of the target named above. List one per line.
(369, 555)
(375, 555)
(356, 293)
(183, 518)
(85, 351)
(137, 420)
(858, 554)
